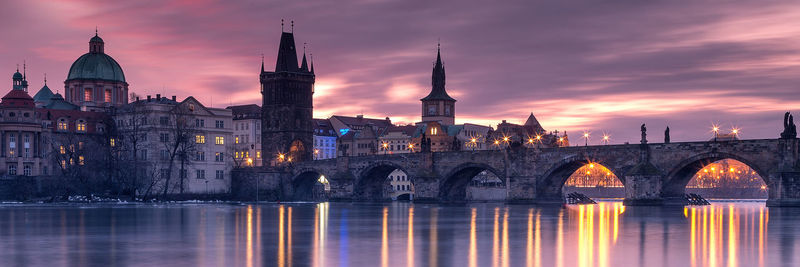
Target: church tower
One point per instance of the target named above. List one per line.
(438, 106)
(286, 119)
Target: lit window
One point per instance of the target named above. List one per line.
(62, 125)
(200, 139)
(258, 154)
(87, 94)
(112, 142)
(62, 150)
(219, 140)
(81, 126)
(80, 160)
(236, 140)
(107, 96)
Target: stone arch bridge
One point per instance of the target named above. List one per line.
(653, 174)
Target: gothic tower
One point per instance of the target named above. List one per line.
(438, 105)
(286, 119)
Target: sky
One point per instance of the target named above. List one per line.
(603, 67)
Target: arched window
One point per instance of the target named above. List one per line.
(62, 124)
(80, 126)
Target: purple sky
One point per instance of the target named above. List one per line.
(600, 66)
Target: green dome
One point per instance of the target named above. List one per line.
(17, 76)
(96, 39)
(96, 66)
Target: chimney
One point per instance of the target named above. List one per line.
(148, 98)
(504, 121)
(158, 97)
(137, 98)
(173, 98)
(360, 116)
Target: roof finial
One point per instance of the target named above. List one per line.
(45, 79)
(292, 26)
(304, 47)
(24, 70)
(281, 25)
(95, 30)
(312, 62)
(262, 62)
(17, 67)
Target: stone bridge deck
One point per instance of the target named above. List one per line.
(653, 174)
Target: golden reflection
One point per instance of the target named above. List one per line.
(529, 250)
(496, 239)
(534, 246)
(560, 240)
(602, 237)
(385, 238)
(505, 257)
(249, 235)
(707, 235)
(434, 239)
(473, 242)
(320, 225)
(258, 237)
(537, 262)
(289, 238)
(410, 248)
(281, 259)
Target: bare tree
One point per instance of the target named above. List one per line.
(131, 130)
(182, 143)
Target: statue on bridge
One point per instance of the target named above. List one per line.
(644, 134)
(789, 129)
(666, 135)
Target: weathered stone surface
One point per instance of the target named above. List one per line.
(538, 174)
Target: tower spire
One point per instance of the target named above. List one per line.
(262, 62)
(45, 79)
(281, 25)
(312, 63)
(304, 64)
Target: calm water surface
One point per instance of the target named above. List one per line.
(398, 234)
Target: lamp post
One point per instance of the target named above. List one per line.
(715, 129)
(473, 143)
(385, 147)
(605, 139)
(586, 138)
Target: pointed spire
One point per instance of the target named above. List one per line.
(24, 70)
(262, 62)
(45, 79)
(281, 25)
(438, 91)
(287, 54)
(304, 64)
(312, 63)
(292, 26)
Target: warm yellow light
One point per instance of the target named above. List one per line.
(591, 165)
(704, 170)
(496, 142)
(281, 156)
(505, 138)
(473, 140)
(732, 170)
(735, 131)
(585, 134)
(605, 137)
(588, 172)
(561, 139)
(316, 151)
(410, 145)
(538, 137)
(385, 145)
(249, 161)
(530, 140)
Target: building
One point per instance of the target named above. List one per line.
(95, 80)
(184, 142)
(398, 139)
(360, 143)
(473, 136)
(324, 140)
(344, 124)
(438, 106)
(246, 135)
(286, 122)
(530, 134)
(401, 185)
(441, 137)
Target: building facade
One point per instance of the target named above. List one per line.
(246, 135)
(183, 146)
(324, 140)
(438, 106)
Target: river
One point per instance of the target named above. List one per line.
(726, 233)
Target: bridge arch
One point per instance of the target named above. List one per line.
(371, 181)
(678, 177)
(553, 180)
(306, 186)
(454, 186)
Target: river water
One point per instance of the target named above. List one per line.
(398, 234)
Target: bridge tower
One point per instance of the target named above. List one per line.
(286, 121)
(438, 106)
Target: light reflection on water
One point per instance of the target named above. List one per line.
(346, 234)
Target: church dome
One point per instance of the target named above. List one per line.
(96, 65)
(17, 76)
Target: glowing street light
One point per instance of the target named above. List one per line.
(606, 138)
(715, 129)
(586, 137)
(250, 162)
(385, 147)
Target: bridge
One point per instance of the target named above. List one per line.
(652, 174)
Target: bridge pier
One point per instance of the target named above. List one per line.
(784, 189)
(643, 186)
(521, 189)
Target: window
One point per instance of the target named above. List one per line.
(107, 96)
(219, 140)
(447, 110)
(201, 174)
(80, 145)
(258, 154)
(62, 150)
(219, 124)
(143, 154)
(201, 156)
(219, 157)
(87, 94)
(62, 125)
(434, 131)
(163, 137)
(200, 139)
(220, 174)
(80, 160)
(431, 109)
(112, 142)
(81, 126)
(162, 120)
(164, 154)
(236, 140)
(199, 123)
(12, 169)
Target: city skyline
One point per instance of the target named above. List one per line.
(571, 72)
